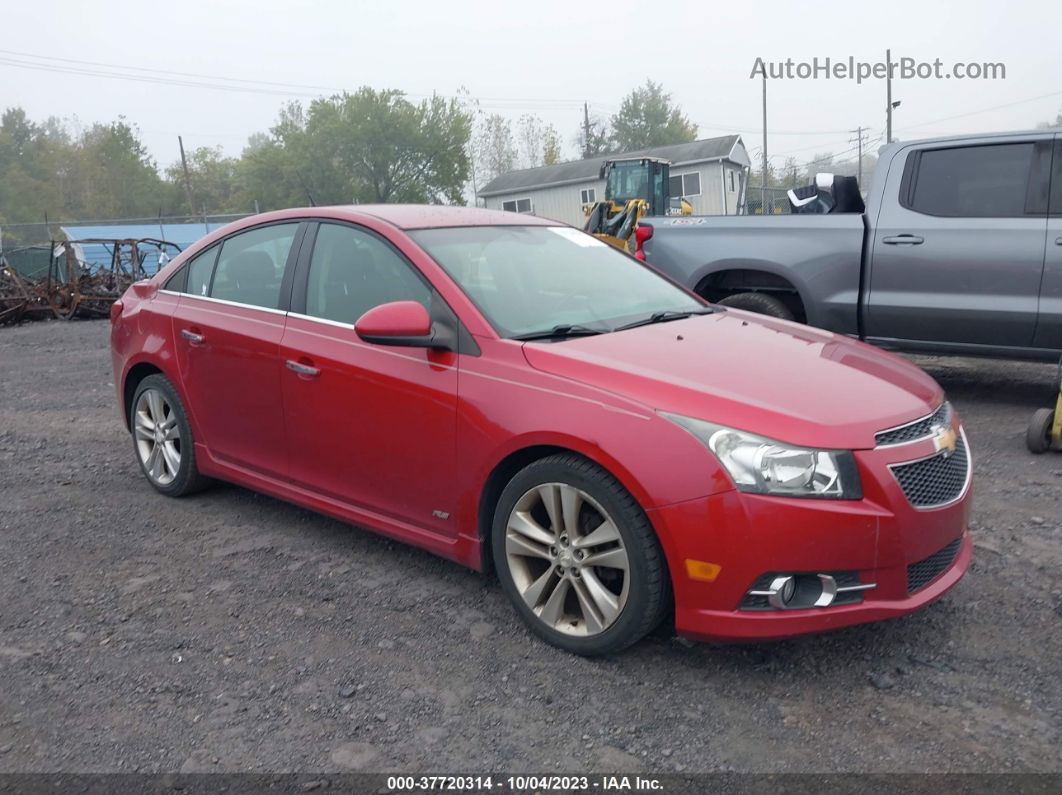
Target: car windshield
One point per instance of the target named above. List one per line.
(529, 279)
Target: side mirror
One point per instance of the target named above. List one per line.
(404, 323)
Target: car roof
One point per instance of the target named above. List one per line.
(423, 216)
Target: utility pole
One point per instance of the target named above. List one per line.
(858, 141)
(586, 132)
(763, 186)
(888, 96)
(187, 179)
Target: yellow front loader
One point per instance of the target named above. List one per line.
(634, 187)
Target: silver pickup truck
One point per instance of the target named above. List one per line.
(959, 251)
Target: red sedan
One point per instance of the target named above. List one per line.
(513, 394)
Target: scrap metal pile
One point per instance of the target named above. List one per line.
(69, 285)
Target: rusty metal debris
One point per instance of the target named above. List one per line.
(71, 287)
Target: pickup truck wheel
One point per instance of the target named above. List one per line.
(1038, 435)
(761, 303)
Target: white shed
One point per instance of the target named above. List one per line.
(710, 173)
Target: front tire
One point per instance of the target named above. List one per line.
(578, 558)
(162, 438)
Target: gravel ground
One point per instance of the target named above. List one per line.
(232, 632)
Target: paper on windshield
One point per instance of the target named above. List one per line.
(577, 237)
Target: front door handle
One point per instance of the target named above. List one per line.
(302, 369)
(1058, 241)
(192, 337)
(903, 240)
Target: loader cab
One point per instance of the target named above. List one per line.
(638, 178)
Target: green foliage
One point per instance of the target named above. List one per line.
(369, 146)
(212, 177)
(551, 147)
(101, 172)
(647, 118)
(375, 146)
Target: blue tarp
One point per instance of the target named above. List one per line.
(97, 255)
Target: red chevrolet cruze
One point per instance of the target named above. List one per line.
(513, 394)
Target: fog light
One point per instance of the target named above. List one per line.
(780, 594)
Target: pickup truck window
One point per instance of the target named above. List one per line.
(987, 181)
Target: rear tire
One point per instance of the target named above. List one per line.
(761, 303)
(1038, 436)
(578, 558)
(162, 438)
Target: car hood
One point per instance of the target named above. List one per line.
(782, 380)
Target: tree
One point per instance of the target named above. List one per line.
(539, 143)
(551, 147)
(369, 146)
(213, 179)
(496, 151)
(1047, 124)
(647, 118)
(102, 172)
(113, 176)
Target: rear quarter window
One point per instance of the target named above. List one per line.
(194, 275)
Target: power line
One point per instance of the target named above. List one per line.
(983, 110)
(242, 85)
(756, 129)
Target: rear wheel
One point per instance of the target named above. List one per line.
(578, 558)
(162, 438)
(1038, 435)
(761, 303)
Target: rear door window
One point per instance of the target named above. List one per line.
(993, 181)
(251, 266)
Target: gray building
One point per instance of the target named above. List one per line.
(711, 174)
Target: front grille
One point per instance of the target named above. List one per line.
(937, 480)
(920, 574)
(919, 429)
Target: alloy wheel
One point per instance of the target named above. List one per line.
(158, 436)
(567, 559)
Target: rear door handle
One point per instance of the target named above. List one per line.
(903, 240)
(1058, 241)
(192, 337)
(302, 369)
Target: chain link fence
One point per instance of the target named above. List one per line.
(767, 201)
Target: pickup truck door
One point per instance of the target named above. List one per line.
(958, 247)
(1049, 322)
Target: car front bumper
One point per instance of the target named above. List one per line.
(744, 537)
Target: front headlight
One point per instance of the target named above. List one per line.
(764, 466)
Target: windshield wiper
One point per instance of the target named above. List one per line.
(559, 332)
(664, 317)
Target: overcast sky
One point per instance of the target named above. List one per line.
(541, 57)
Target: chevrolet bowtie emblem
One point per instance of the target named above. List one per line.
(945, 440)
